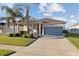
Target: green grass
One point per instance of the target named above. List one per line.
(74, 39)
(19, 41)
(4, 52)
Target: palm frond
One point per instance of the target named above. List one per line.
(8, 10)
(19, 8)
(7, 20)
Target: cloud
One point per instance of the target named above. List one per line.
(10, 5)
(72, 16)
(56, 8)
(69, 22)
(48, 8)
(46, 14)
(42, 7)
(72, 20)
(60, 18)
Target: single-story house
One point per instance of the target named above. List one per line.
(45, 26)
(74, 29)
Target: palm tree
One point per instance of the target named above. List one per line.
(12, 15)
(26, 8)
(27, 15)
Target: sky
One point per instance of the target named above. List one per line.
(68, 12)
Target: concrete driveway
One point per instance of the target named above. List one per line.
(49, 46)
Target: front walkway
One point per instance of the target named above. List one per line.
(46, 46)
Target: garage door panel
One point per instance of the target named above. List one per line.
(53, 31)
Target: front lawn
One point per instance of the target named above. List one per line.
(74, 39)
(19, 41)
(4, 52)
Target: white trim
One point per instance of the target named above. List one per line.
(56, 25)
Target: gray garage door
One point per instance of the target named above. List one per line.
(55, 31)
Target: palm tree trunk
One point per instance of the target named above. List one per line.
(27, 28)
(18, 28)
(14, 27)
(27, 21)
(14, 24)
(2, 29)
(7, 24)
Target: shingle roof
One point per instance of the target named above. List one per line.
(75, 25)
(49, 20)
(44, 20)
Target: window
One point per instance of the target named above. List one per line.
(74, 29)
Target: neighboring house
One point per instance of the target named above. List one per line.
(45, 26)
(74, 29)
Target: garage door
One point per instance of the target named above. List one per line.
(56, 31)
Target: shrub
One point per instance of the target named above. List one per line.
(66, 32)
(73, 35)
(11, 35)
(28, 36)
(25, 36)
(22, 32)
(17, 35)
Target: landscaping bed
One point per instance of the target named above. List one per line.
(4, 52)
(19, 41)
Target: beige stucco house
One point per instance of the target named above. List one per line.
(45, 26)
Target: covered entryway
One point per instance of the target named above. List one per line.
(55, 31)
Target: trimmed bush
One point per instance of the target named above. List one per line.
(17, 35)
(66, 33)
(25, 36)
(28, 36)
(23, 32)
(11, 35)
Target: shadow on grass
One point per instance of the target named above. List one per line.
(10, 53)
(72, 35)
(34, 39)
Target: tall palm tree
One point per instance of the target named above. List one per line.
(12, 14)
(26, 8)
(27, 15)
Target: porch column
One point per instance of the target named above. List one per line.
(18, 28)
(32, 28)
(42, 29)
(39, 29)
